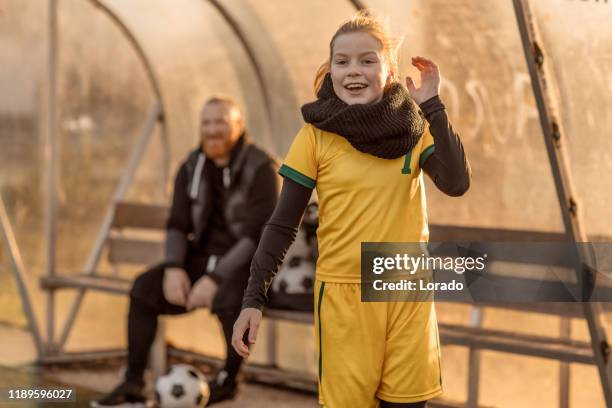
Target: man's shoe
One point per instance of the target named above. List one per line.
(125, 395)
(221, 388)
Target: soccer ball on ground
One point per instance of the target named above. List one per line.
(182, 386)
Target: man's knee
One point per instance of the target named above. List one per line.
(148, 286)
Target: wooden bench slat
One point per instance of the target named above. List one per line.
(551, 308)
(138, 215)
(454, 233)
(563, 309)
(289, 315)
(530, 345)
(101, 283)
(134, 251)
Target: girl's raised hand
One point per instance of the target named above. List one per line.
(430, 80)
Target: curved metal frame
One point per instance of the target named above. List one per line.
(242, 38)
(140, 52)
(563, 183)
(257, 66)
(144, 59)
(358, 4)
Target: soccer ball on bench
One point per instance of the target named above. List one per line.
(293, 287)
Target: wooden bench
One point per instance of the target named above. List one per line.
(135, 237)
(124, 248)
(128, 242)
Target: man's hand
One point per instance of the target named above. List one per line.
(202, 294)
(249, 318)
(176, 286)
(430, 80)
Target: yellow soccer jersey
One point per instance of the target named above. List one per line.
(362, 198)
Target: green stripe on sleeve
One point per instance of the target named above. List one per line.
(296, 176)
(425, 154)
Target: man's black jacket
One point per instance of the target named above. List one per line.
(251, 190)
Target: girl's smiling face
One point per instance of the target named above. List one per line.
(358, 68)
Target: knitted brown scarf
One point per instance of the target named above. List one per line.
(387, 129)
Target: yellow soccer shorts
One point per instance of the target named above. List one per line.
(374, 350)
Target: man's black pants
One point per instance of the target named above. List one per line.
(147, 302)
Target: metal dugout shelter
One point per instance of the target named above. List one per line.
(272, 78)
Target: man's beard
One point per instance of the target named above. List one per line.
(220, 146)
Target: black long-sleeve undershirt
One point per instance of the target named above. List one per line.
(278, 235)
(447, 167)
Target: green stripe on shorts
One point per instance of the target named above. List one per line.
(320, 334)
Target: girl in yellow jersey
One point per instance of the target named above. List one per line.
(363, 147)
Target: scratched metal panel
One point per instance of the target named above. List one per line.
(487, 91)
(194, 54)
(292, 40)
(104, 95)
(578, 40)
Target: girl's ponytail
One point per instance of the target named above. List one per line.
(321, 72)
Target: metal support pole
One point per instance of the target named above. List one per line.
(271, 342)
(166, 182)
(476, 318)
(18, 269)
(126, 180)
(158, 355)
(51, 170)
(564, 367)
(554, 138)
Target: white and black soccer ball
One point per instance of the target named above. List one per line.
(182, 386)
(296, 277)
